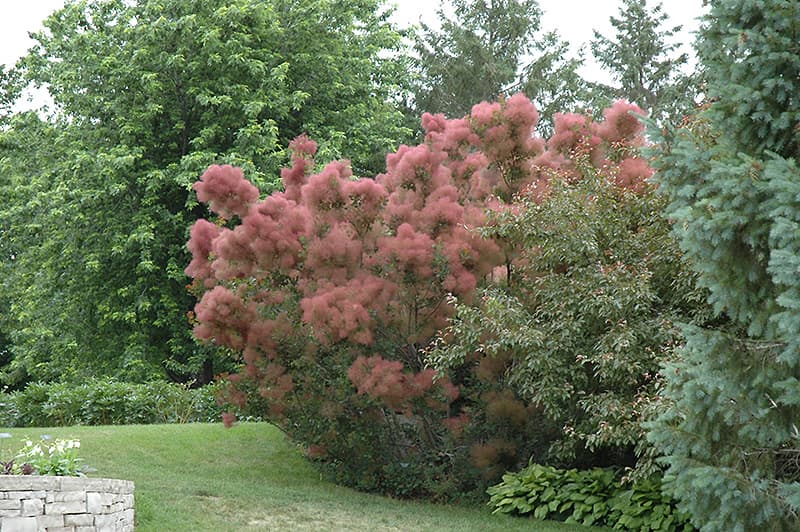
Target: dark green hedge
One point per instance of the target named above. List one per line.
(108, 402)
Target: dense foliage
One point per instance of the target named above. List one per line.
(109, 402)
(596, 497)
(332, 293)
(97, 196)
(730, 434)
(592, 291)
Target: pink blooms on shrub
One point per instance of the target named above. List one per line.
(201, 242)
(386, 381)
(317, 276)
(224, 317)
(621, 123)
(633, 174)
(226, 190)
(359, 254)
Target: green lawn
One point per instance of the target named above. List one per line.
(205, 477)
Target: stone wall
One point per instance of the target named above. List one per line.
(65, 504)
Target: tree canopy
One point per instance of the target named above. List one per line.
(489, 48)
(147, 94)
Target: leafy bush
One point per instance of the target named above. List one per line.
(52, 457)
(592, 497)
(109, 402)
(333, 292)
(48, 457)
(579, 323)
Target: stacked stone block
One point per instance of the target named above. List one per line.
(65, 504)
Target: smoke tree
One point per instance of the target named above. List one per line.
(332, 292)
(330, 289)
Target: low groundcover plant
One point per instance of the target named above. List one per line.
(46, 457)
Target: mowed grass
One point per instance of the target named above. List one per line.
(202, 477)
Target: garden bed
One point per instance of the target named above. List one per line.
(76, 504)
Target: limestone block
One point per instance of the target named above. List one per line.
(30, 482)
(105, 485)
(108, 521)
(71, 507)
(32, 507)
(69, 496)
(20, 524)
(79, 519)
(38, 494)
(11, 504)
(49, 521)
(98, 503)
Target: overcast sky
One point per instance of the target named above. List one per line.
(573, 19)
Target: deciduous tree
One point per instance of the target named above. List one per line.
(147, 95)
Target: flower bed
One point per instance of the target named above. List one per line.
(69, 504)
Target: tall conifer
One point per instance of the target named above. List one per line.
(731, 430)
(642, 58)
(488, 48)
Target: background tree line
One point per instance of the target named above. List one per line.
(147, 94)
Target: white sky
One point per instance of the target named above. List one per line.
(573, 19)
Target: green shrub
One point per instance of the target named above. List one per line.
(8, 410)
(645, 506)
(109, 402)
(593, 497)
(57, 457)
(576, 335)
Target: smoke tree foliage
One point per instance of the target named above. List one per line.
(331, 292)
(587, 308)
(146, 95)
(642, 58)
(730, 434)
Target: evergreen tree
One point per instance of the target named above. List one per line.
(490, 48)
(730, 431)
(642, 61)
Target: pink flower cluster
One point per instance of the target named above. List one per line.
(226, 190)
(386, 381)
(352, 259)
